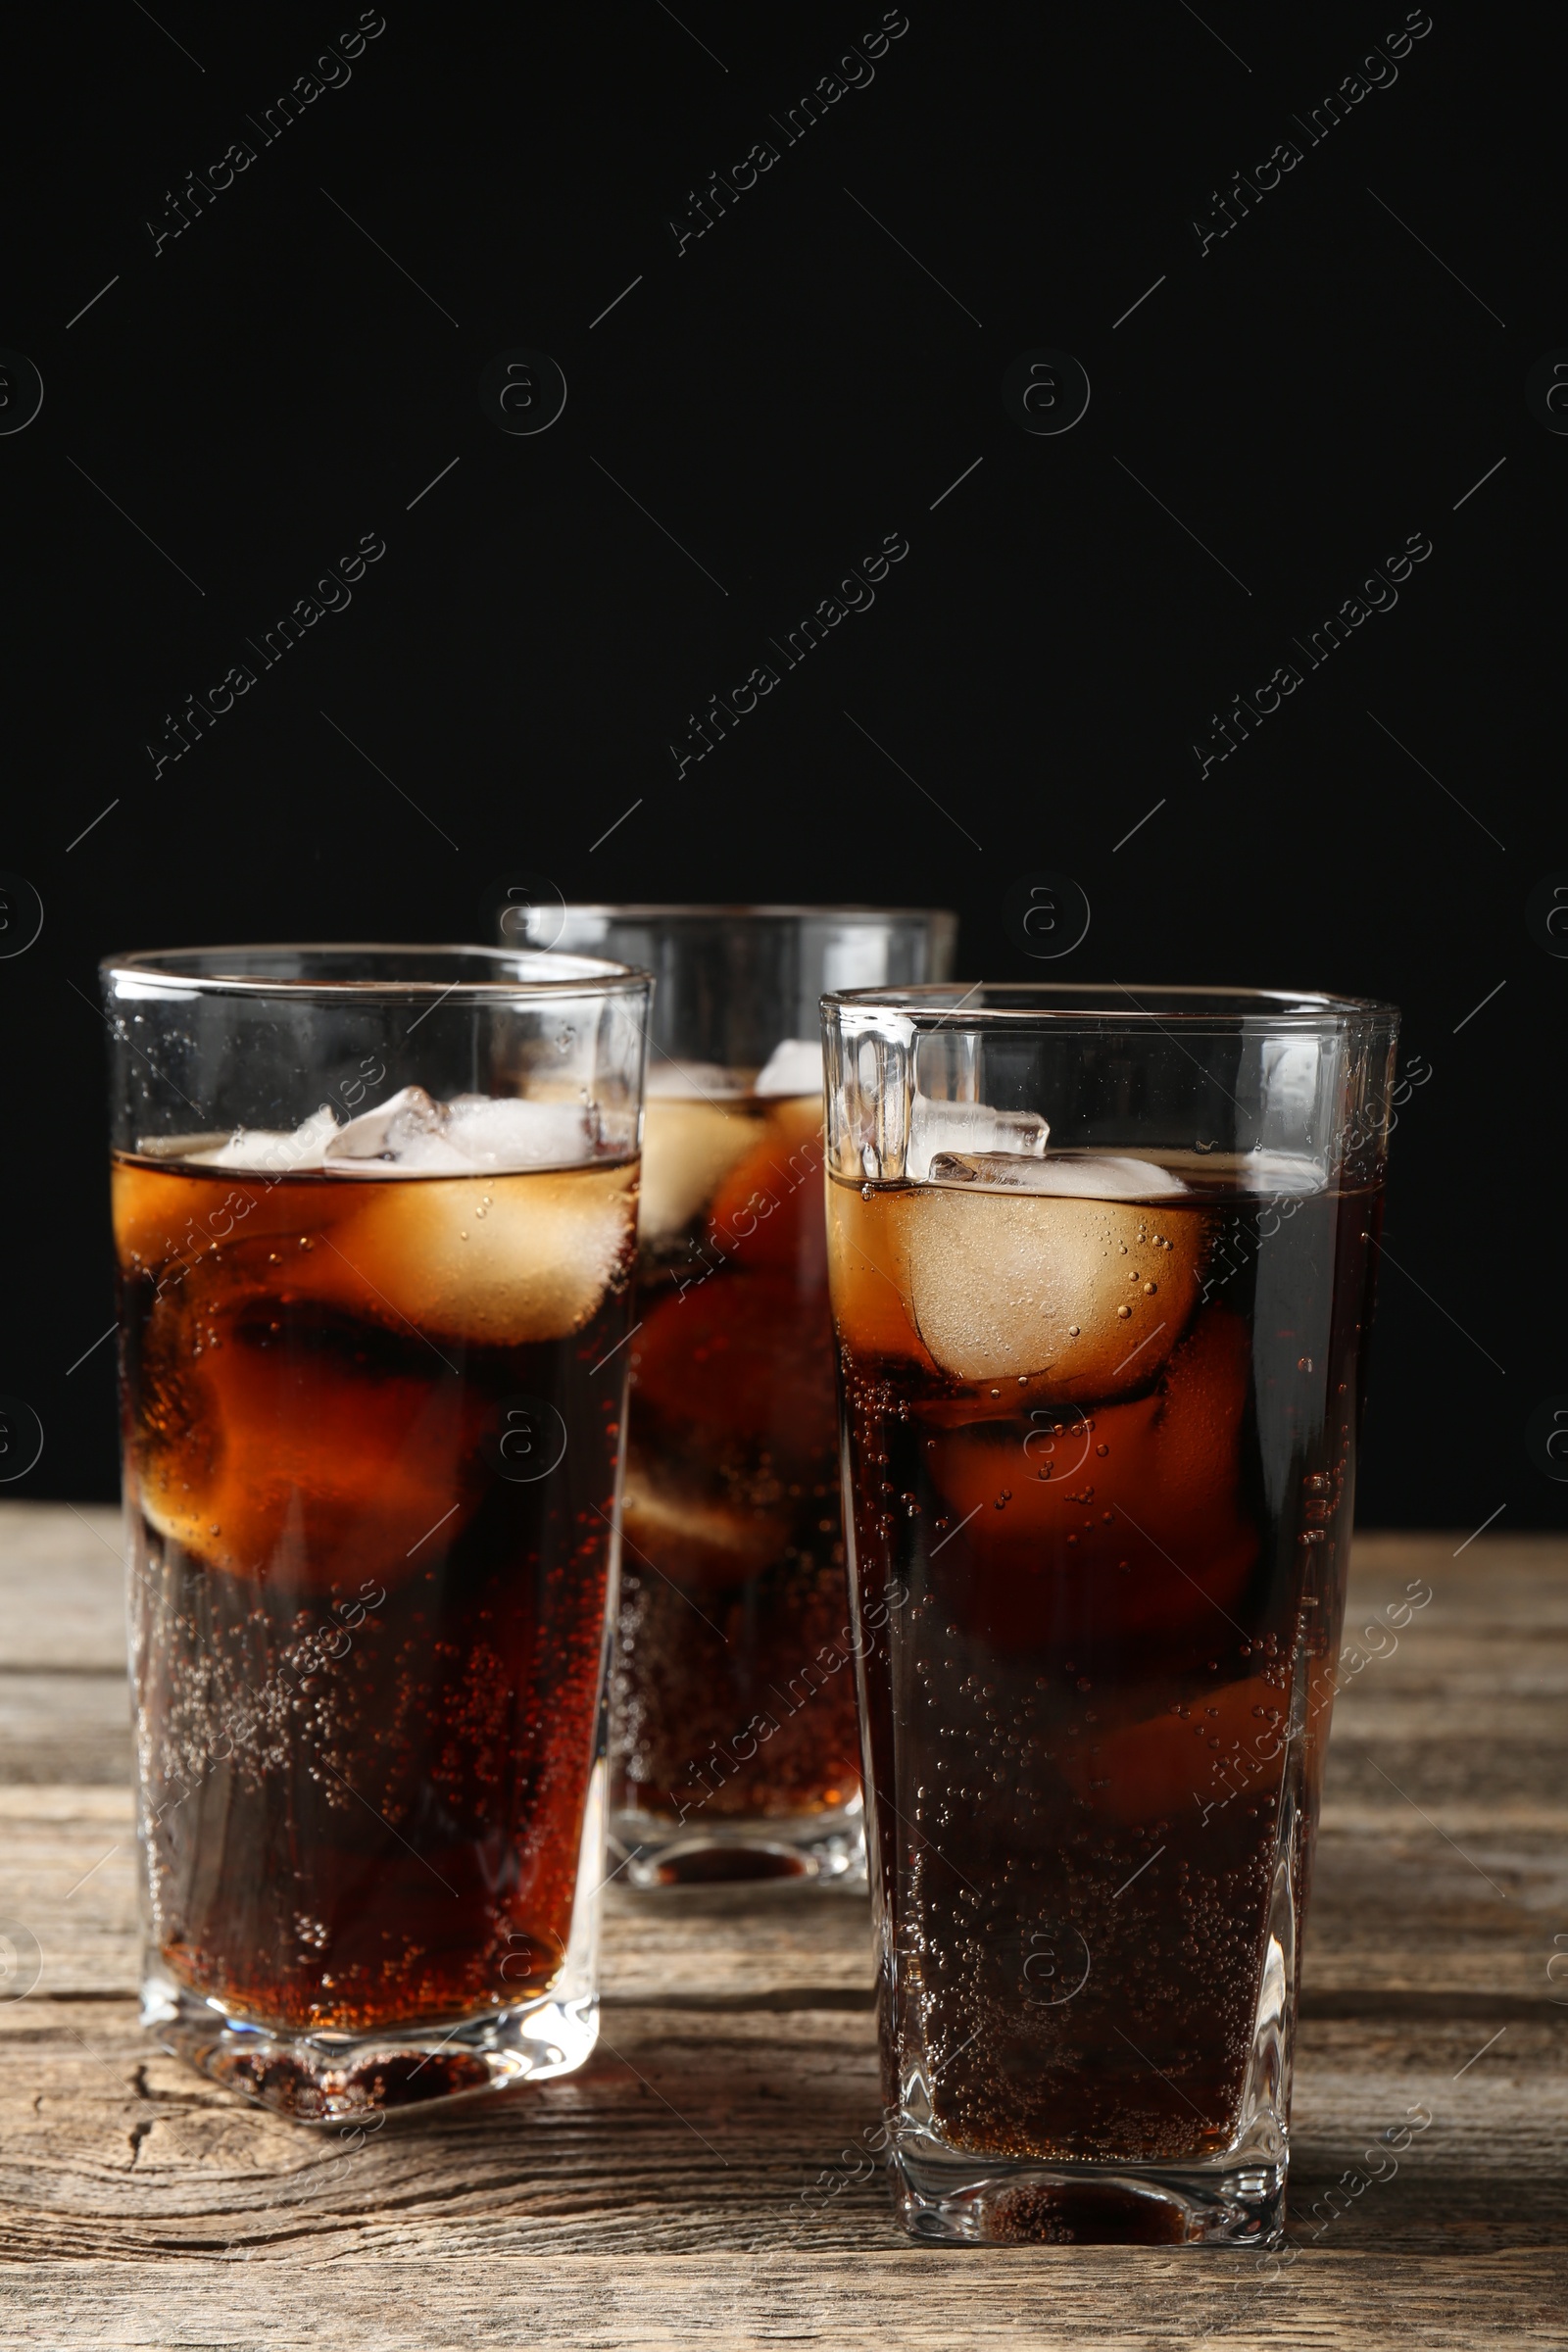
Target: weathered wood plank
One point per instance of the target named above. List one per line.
(62, 1587)
(1443, 1861)
(140, 2205)
(1474, 1683)
(62, 1727)
(696, 2134)
(1497, 1576)
(1119, 2301)
(1420, 1905)
(1401, 1902)
(68, 1874)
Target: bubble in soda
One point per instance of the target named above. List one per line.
(368, 1628)
(1112, 1469)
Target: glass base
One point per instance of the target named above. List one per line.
(820, 1849)
(973, 2200)
(328, 2076)
(337, 2078)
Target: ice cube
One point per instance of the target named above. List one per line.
(794, 1067)
(690, 1081)
(265, 1150)
(688, 1150)
(271, 1467)
(737, 1371)
(769, 1210)
(1224, 1747)
(1118, 1494)
(1063, 1175)
(1086, 1296)
(968, 1128)
(686, 1533)
(410, 1135)
(1282, 1172)
(496, 1259)
(517, 1134)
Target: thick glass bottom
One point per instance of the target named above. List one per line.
(823, 1848)
(332, 2077)
(954, 2199)
(1234, 2196)
(337, 2078)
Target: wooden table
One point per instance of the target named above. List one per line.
(656, 2197)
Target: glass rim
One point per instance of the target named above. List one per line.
(1212, 1007)
(679, 910)
(177, 971)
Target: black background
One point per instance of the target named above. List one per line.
(780, 395)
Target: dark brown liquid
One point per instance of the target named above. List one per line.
(367, 1646)
(1107, 1592)
(734, 1686)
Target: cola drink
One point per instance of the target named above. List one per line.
(1099, 1416)
(733, 1686)
(372, 1405)
(734, 1747)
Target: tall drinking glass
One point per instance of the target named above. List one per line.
(374, 1215)
(1102, 1271)
(734, 1749)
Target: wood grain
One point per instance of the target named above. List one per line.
(1395, 1906)
(1118, 2301)
(63, 1585)
(703, 2180)
(693, 2133)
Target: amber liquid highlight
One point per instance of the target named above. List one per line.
(368, 1653)
(1098, 1710)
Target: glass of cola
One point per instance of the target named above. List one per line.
(1102, 1267)
(734, 1748)
(374, 1215)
